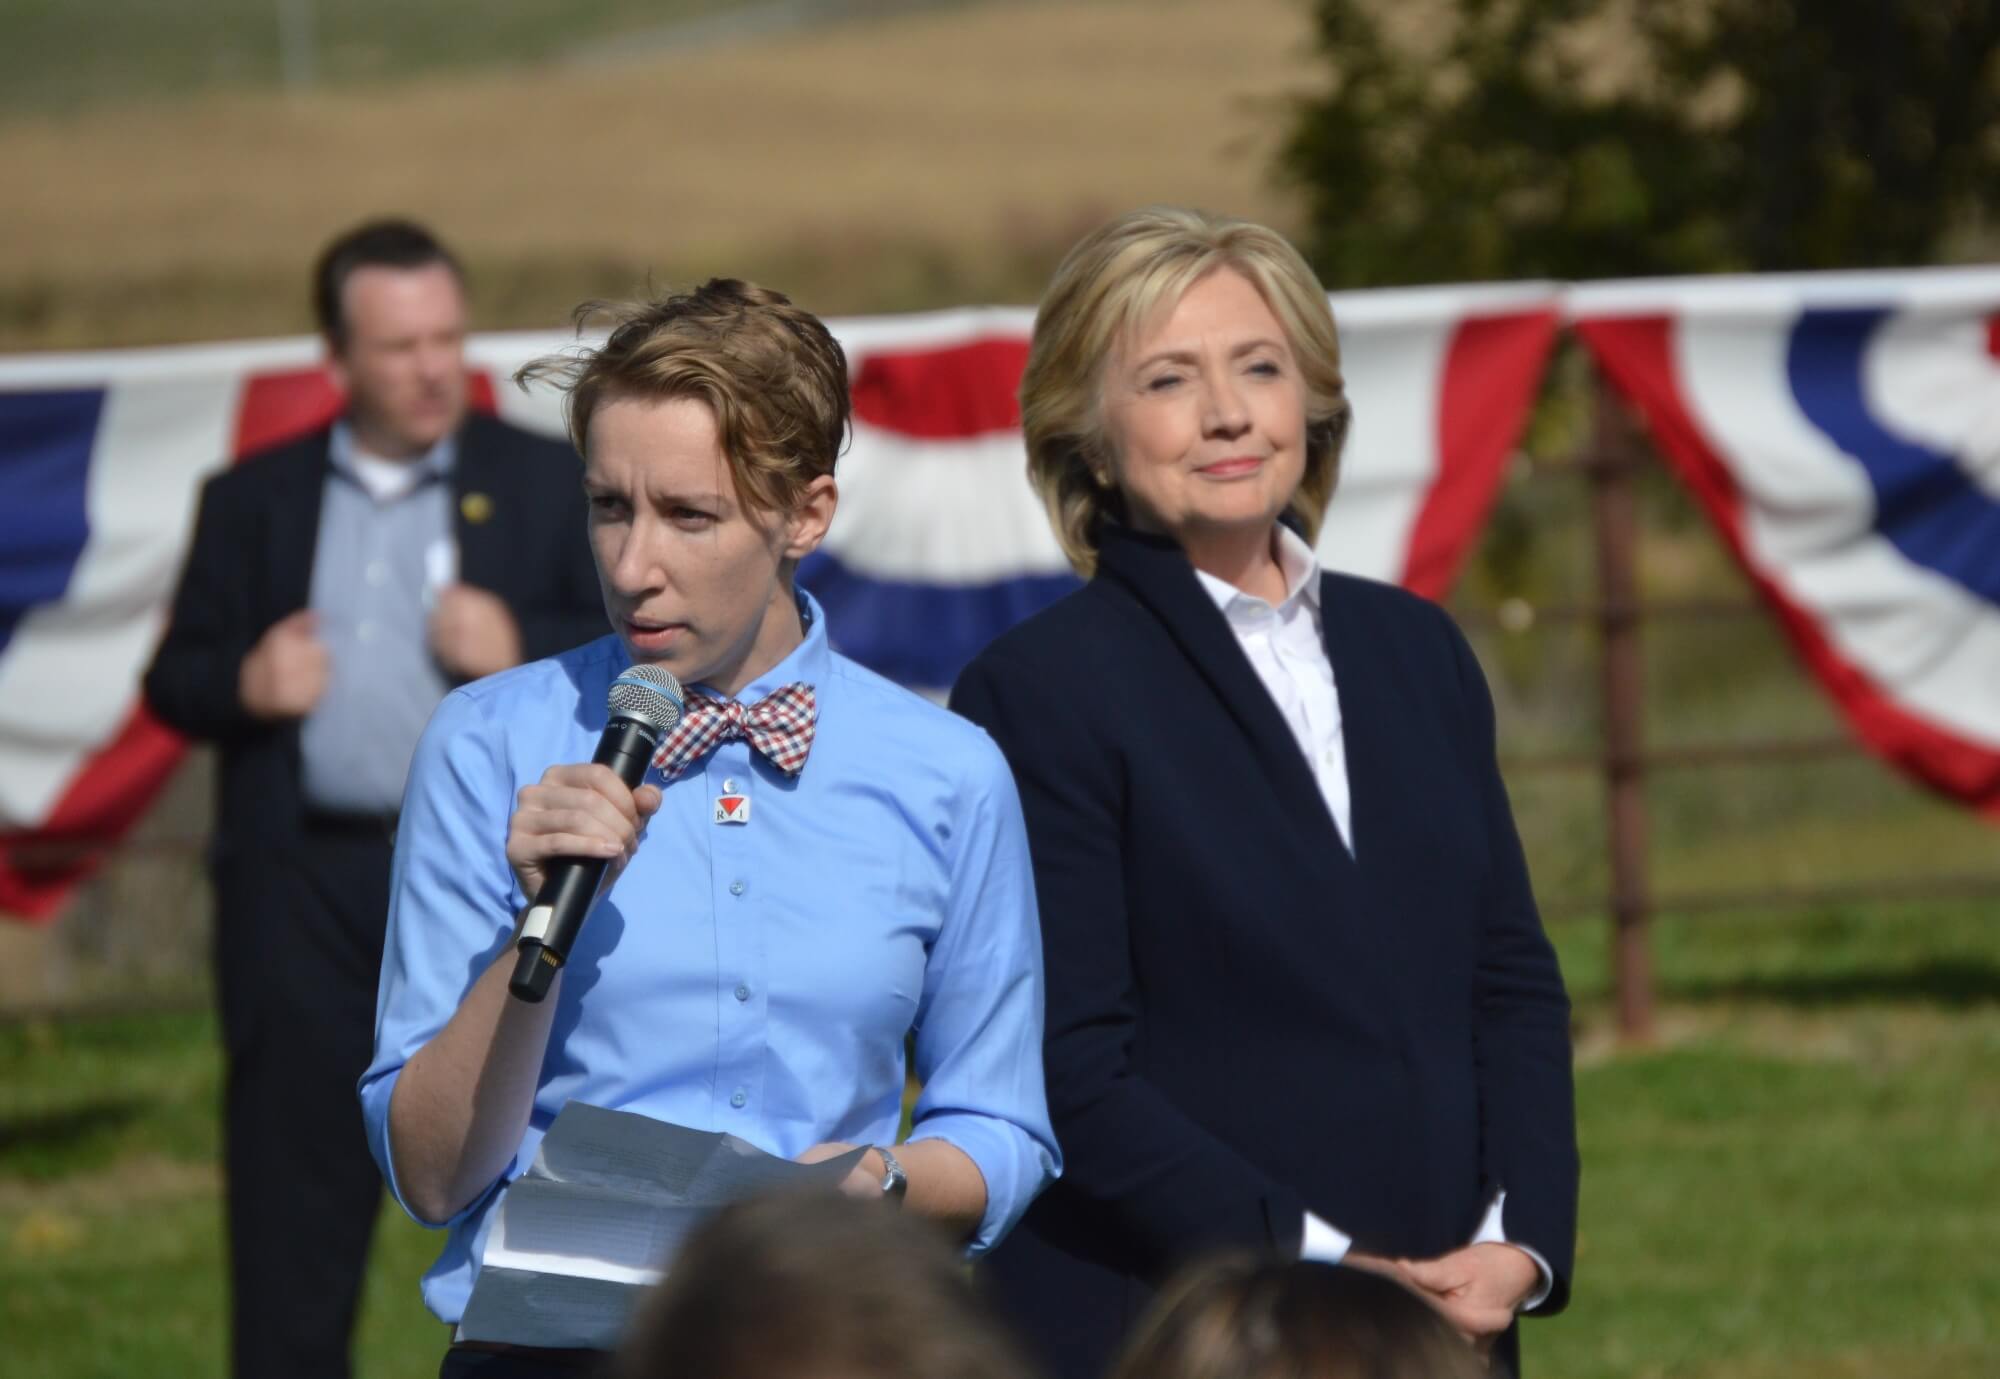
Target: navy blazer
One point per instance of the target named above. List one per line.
(250, 564)
(1244, 1021)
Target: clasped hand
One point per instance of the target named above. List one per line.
(1477, 1288)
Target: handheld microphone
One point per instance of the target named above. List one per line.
(645, 704)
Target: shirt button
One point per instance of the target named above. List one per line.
(729, 787)
(739, 1098)
(378, 572)
(365, 631)
(736, 888)
(742, 992)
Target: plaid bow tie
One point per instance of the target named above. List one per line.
(780, 725)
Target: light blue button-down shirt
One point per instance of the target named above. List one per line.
(757, 977)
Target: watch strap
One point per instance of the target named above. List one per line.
(895, 1182)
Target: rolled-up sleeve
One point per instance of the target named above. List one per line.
(451, 902)
(979, 1024)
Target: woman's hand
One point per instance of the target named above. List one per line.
(864, 1180)
(576, 811)
(1477, 1288)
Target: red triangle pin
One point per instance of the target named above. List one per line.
(732, 809)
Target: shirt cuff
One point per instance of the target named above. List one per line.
(1492, 1231)
(1015, 1166)
(1325, 1243)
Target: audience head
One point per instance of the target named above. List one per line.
(1245, 1318)
(817, 1286)
(1121, 283)
(390, 300)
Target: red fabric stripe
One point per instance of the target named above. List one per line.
(1993, 336)
(103, 800)
(943, 394)
(1636, 353)
(278, 407)
(1492, 370)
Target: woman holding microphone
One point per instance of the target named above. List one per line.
(1299, 996)
(820, 865)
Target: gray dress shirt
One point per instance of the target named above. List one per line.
(385, 548)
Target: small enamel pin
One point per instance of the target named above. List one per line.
(732, 809)
(475, 508)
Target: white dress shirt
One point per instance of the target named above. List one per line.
(1287, 649)
(1286, 646)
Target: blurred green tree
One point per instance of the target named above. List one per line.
(1474, 139)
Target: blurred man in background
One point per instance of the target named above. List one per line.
(335, 588)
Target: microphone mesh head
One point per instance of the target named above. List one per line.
(650, 695)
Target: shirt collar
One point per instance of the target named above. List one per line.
(1296, 561)
(435, 463)
(809, 661)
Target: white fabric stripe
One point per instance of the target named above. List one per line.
(70, 675)
(940, 512)
(1763, 294)
(98, 368)
(1807, 511)
(1394, 374)
(1443, 305)
(1930, 380)
(539, 408)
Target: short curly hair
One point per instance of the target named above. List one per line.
(771, 372)
(1114, 281)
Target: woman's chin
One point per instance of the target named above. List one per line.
(1247, 518)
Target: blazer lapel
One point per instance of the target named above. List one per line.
(1157, 571)
(1364, 713)
(1375, 718)
(295, 531)
(476, 516)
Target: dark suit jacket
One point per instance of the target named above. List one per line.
(251, 562)
(1244, 1022)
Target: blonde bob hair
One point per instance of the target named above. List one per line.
(771, 372)
(1116, 280)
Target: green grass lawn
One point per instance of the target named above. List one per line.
(1798, 1180)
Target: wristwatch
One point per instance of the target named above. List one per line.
(895, 1182)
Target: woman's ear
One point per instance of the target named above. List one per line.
(811, 515)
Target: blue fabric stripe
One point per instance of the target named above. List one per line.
(45, 445)
(1926, 506)
(921, 634)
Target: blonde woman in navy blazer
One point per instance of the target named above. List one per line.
(1299, 998)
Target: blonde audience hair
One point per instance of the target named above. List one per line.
(771, 372)
(1240, 1317)
(1115, 281)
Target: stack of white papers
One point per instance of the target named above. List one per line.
(599, 1216)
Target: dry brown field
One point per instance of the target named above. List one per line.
(873, 165)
